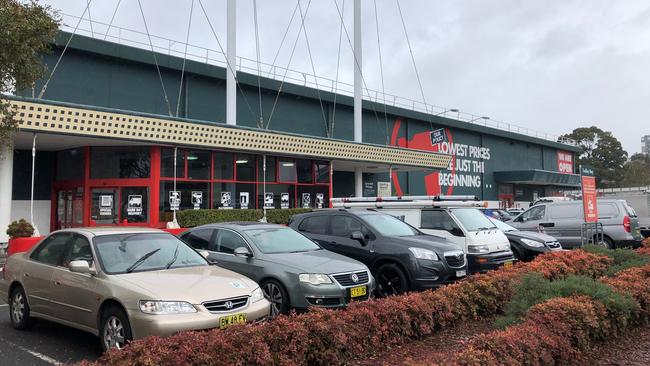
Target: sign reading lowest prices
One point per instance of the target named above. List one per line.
(589, 194)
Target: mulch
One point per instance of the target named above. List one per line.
(630, 349)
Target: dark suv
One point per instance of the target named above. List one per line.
(400, 257)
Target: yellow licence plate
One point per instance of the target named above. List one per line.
(358, 291)
(507, 264)
(229, 320)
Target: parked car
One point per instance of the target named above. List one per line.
(497, 213)
(564, 221)
(526, 245)
(293, 271)
(400, 257)
(125, 283)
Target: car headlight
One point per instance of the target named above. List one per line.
(420, 253)
(257, 295)
(314, 278)
(532, 243)
(478, 249)
(166, 307)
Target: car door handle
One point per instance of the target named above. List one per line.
(547, 224)
(57, 282)
(26, 274)
(333, 242)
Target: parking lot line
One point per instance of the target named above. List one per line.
(40, 356)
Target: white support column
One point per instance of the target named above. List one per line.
(6, 179)
(231, 71)
(358, 93)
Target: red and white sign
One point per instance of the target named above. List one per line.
(564, 162)
(589, 197)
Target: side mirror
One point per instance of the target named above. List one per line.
(243, 252)
(79, 267)
(358, 236)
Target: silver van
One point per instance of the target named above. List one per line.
(563, 220)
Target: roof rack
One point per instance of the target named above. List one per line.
(407, 201)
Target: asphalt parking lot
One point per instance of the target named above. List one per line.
(45, 344)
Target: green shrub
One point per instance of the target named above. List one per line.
(193, 218)
(623, 258)
(20, 229)
(535, 289)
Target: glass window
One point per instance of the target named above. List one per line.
(388, 225)
(228, 241)
(103, 205)
(607, 210)
(270, 168)
(223, 166)
(245, 167)
(125, 253)
(344, 226)
(286, 171)
(120, 162)
(199, 239)
(304, 171)
(438, 220)
(167, 163)
(189, 192)
(198, 164)
(533, 214)
(78, 250)
(313, 196)
(280, 240)
(472, 219)
(564, 211)
(135, 204)
(277, 191)
(314, 225)
(322, 172)
(70, 164)
(52, 250)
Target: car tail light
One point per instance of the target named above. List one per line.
(627, 224)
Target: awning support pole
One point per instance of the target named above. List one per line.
(31, 198)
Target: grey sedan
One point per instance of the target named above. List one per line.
(292, 270)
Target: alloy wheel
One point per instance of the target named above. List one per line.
(273, 293)
(389, 283)
(18, 307)
(114, 333)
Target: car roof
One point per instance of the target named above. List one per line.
(110, 230)
(242, 224)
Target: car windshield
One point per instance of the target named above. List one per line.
(125, 253)
(473, 219)
(280, 240)
(388, 225)
(501, 225)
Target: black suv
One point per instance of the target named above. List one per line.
(400, 257)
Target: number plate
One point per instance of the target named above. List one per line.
(507, 264)
(358, 291)
(461, 273)
(229, 320)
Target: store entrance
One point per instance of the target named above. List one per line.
(69, 208)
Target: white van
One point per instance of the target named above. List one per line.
(460, 222)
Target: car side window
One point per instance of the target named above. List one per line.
(344, 226)
(438, 220)
(534, 214)
(314, 225)
(228, 241)
(607, 211)
(199, 239)
(78, 249)
(564, 211)
(52, 250)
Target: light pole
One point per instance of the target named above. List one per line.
(447, 110)
(477, 118)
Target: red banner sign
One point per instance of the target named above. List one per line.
(589, 197)
(564, 162)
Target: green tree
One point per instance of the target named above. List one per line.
(27, 29)
(603, 152)
(636, 172)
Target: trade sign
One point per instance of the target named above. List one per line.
(197, 199)
(243, 200)
(306, 200)
(320, 200)
(564, 162)
(134, 205)
(438, 136)
(268, 200)
(226, 200)
(174, 200)
(589, 194)
(284, 200)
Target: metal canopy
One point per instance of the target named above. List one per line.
(83, 121)
(537, 177)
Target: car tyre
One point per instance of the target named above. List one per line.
(277, 296)
(608, 243)
(19, 310)
(391, 280)
(115, 332)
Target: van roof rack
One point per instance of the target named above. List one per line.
(407, 201)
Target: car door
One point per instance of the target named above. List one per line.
(316, 228)
(440, 223)
(566, 220)
(74, 296)
(341, 229)
(530, 219)
(225, 243)
(37, 274)
(200, 239)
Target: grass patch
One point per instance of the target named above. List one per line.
(536, 289)
(623, 258)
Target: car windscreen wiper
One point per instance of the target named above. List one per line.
(141, 260)
(173, 258)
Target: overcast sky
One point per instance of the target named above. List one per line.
(547, 65)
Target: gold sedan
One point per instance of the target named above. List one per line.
(125, 283)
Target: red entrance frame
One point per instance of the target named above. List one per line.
(154, 180)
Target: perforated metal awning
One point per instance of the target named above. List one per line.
(75, 120)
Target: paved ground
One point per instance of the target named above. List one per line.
(45, 344)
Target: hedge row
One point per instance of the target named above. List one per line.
(323, 337)
(193, 218)
(559, 331)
